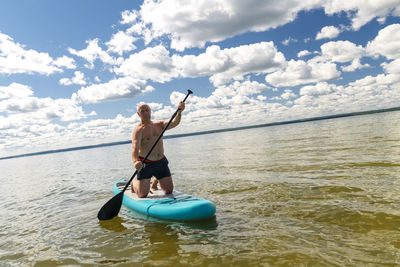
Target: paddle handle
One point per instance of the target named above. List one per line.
(158, 139)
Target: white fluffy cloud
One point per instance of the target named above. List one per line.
(79, 78)
(328, 32)
(28, 137)
(289, 40)
(222, 66)
(386, 43)
(341, 51)
(322, 88)
(355, 65)
(129, 16)
(233, 63)
(14, 58)
(378, 83)
(18, 102)
(153, 63)
(361, 12)
(288, 94)
(93, 52)
(371, 92)
(304, 53)
(225, 65)
(392, 67)
(193, 23)
(243, 88)
(255, 58)
(121, 42)
(15, 90)
(115, 89)
(65, 62)
(230, 96)
(239, 103)
(302, 72)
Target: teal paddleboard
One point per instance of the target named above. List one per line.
(175, 206)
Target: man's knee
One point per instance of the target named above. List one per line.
(141, 188)
(142, 195)
(168, 191)
(167, 185)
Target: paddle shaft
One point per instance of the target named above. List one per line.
(155, 143)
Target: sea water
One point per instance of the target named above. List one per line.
(307, 194)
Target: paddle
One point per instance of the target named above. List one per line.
(112, 207)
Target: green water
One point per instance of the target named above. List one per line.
(323, 193)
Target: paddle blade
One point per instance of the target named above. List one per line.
(111, 208)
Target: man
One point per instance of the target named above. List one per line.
(143, 138)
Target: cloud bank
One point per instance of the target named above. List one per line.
(165, 41)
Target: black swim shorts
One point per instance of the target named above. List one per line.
(158, 169)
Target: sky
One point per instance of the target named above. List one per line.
(73, 72)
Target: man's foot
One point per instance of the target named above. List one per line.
(154, 184)
(154, 188)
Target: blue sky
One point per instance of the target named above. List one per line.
(72, 72)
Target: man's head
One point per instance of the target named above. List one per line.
(144, 112)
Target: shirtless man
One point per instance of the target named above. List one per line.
(143, 138)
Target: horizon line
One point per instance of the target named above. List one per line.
(327, 117)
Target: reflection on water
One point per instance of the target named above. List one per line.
(314, 193)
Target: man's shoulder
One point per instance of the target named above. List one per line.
(158, 123)
(161, 124)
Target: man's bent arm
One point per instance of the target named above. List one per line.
(175, 122)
